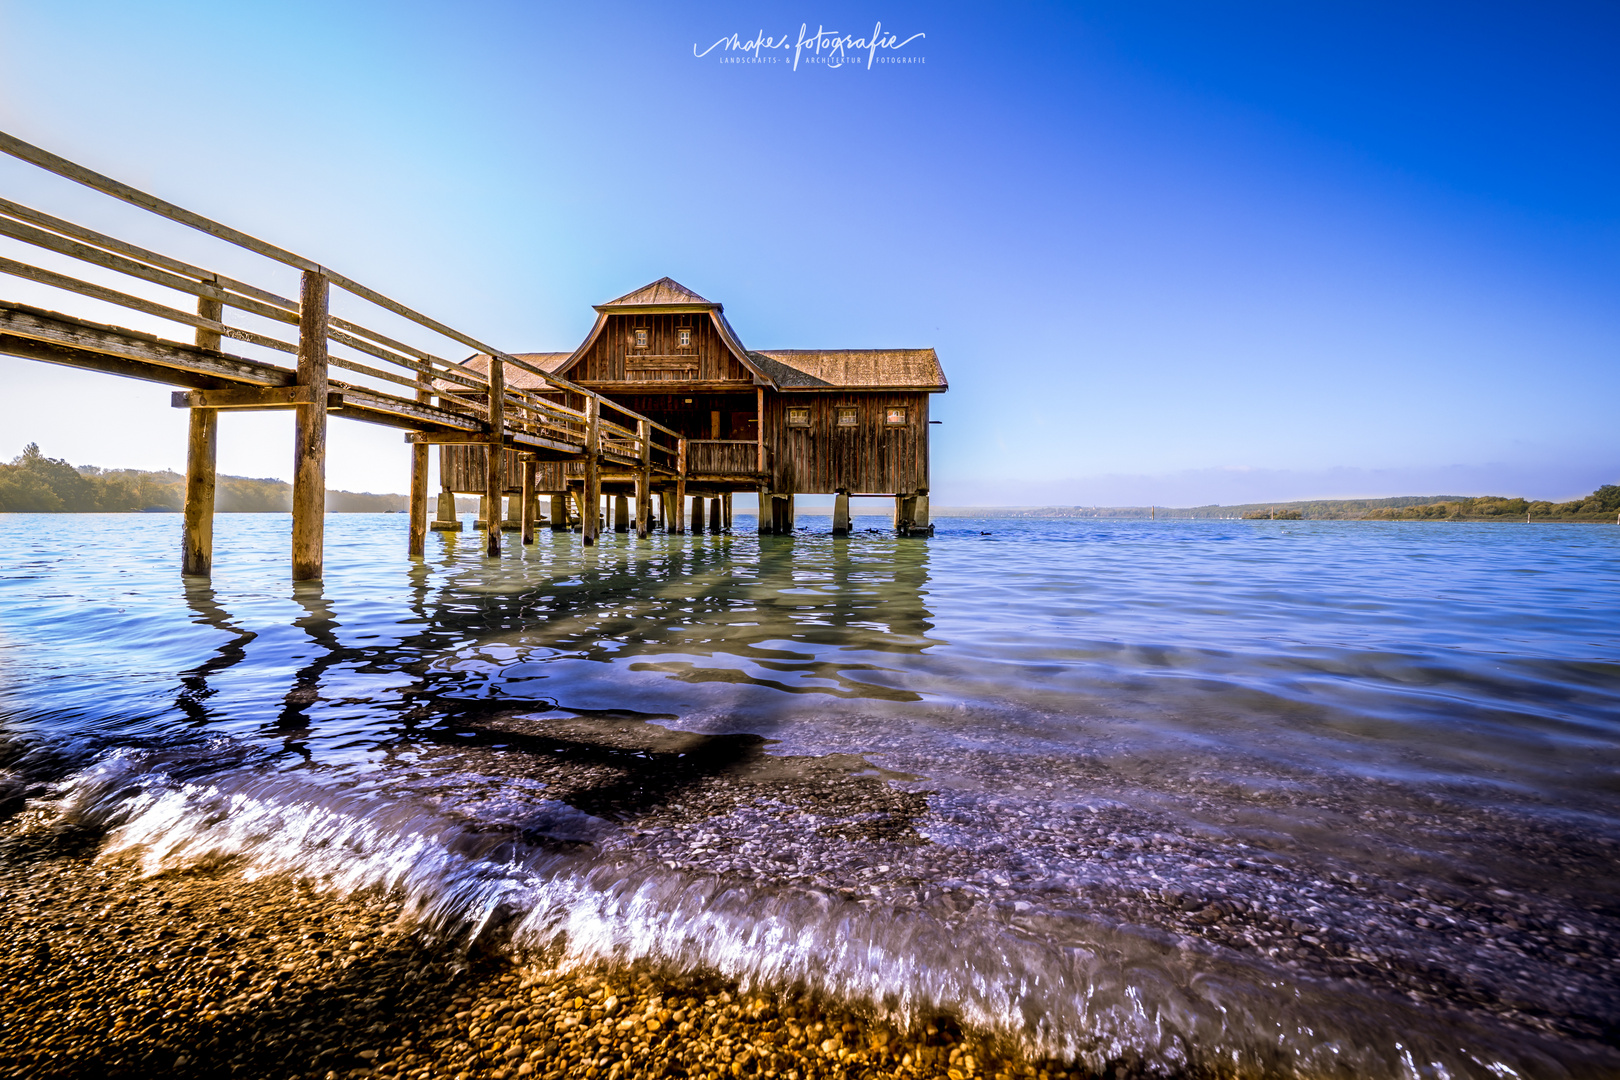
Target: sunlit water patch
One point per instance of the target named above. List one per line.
(1308, 798)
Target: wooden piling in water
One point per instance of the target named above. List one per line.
(680, 485)
(643, 480)
(202, 452)
(591, 501)
(559, 513)
(840, 515)
(495, 459)
(697, 514)
(529, 506)
(309, 436)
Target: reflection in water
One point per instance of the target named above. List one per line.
(1293, 797)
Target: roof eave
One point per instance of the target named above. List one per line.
(665, 309)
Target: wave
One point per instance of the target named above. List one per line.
(542, 881)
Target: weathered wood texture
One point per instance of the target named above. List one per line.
(309, 433)
(494, 474)
(869, 457)
(615, 357)
(197, 535)
(417, 545)
(727, 457)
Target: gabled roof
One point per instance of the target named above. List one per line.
(515, 376)
(663, 294)
(852, 369)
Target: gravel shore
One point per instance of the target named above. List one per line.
(205, 973)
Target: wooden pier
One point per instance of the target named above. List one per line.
(660, 403)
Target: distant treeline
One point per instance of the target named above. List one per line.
(34, 483)
(1602, 505)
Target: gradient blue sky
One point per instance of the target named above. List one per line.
(1171, 253)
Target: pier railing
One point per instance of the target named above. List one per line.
(386, 380)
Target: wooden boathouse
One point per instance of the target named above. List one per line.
(777, 423)
(661, 403)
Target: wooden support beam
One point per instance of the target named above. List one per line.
(644, 480)
(529, 506)
(495, 459)
(766, 522)
(417, 545)
(621, 514)
(759, 435)
(680, 486)
(309, 437)
(840, 517)
(559, 513)
(202, 446)
(80, 337)
(591, 497)
(251, 397)
(697, 514)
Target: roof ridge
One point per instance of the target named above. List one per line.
(666, 290)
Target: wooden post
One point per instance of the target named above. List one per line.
(309, 438)
(767, 507)
(665, 500)
(419, 478)
(528, 500)
(591, 503)
(621, 514)
(919, 515)
(202, 451)
(714, 515)
(759, 434)
(559, 513)
(680, 485)
(419, 497)
(644, 480)
(495, 459)
(726, 506)
(697, 514)
(841, 514)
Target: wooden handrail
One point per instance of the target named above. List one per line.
(78, 242)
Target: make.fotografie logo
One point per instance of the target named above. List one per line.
(827, 48)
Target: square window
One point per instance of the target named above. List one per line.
(641, 337)
(848, 417)
(798, 417)
(686, 337)
(896, 416)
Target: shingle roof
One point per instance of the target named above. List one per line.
(852, 369)
(663, 292)
(515, 376)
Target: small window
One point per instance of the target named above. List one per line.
(686, 337)
(848, 417)
(641, 337)
(798, 417)
(896, 415)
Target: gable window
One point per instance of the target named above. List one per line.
(685, 335)
(641, 337)
(798, 418)
(896, 415)
(848, 417)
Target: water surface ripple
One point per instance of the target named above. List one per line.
(1290, 798)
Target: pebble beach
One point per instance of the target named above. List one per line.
(206, 973)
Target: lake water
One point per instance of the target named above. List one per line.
(1292, 798)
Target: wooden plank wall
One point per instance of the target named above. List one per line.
(870, 458)
(605, 362)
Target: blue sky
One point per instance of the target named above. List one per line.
(1172, 253)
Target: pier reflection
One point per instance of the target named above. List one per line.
(792, 615)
